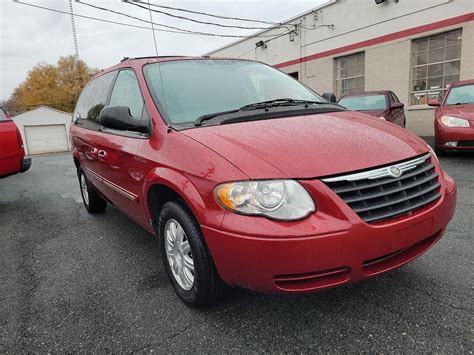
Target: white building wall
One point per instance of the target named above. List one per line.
(387, 60)
(467, 54)
(42, 116)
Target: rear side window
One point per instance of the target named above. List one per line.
(126, 92)
(92, 100)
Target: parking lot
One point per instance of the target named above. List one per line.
(71, 281)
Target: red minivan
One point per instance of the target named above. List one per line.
(250, 179)
(12, 154)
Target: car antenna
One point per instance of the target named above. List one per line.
(156, 51)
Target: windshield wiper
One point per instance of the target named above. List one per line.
(280, 102)
(209, 116)
(260, 105)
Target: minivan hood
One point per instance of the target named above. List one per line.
(309, 146)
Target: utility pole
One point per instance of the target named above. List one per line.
(74, 36)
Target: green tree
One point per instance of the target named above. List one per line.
(56, 86)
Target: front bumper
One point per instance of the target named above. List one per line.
(464, 137)
(330, 248)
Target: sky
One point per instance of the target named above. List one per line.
(30, 35)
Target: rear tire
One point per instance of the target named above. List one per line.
(187, 260)
(93, 202)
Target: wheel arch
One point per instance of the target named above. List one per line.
(163, 185)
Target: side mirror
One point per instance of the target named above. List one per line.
(433, 102)
(119, 118)
(329, 97)
(396, 105)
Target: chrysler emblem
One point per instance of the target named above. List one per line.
(395, 171)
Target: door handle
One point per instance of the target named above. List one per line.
(102, 154)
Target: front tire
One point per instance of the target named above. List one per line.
(186, 258)
(93, 202)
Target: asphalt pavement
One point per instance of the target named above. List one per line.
(70, 281)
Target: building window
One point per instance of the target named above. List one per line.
(350, 74)
(436, 62)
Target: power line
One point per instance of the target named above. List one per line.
(136, 3)
(243, 54)
(184, 32)
(93, 18)
(181, 30)
(273, 24)
(262, 43)
(210, 15)
(132, 17)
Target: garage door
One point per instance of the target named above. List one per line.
(46, 139)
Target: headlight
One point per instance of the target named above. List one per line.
(276, 199)
(382, 118)
(454, 121)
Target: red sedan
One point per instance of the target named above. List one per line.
(248, 178)
(454, 118)
(12, 154)
(383, 104)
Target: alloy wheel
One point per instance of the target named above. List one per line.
(178, 252)
(84, 189)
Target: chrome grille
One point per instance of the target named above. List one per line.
(380, 194)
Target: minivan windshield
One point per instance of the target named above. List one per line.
(459, 95)
(364, 103)
(188, 89)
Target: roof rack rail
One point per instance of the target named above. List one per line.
(154, 56)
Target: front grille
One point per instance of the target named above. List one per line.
(377, 194)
